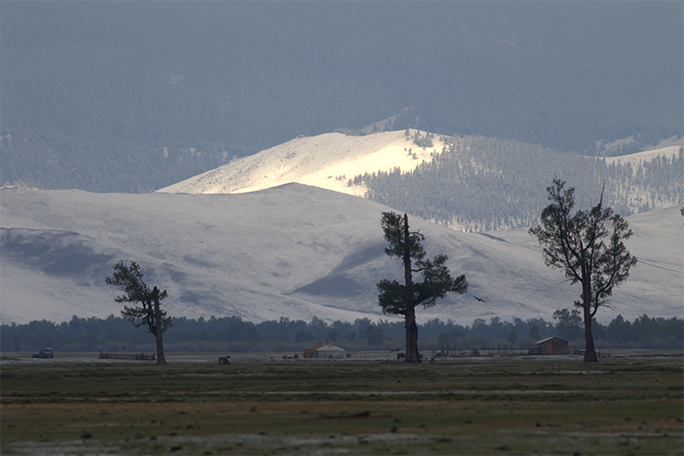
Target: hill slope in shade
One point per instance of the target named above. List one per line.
(294, 251)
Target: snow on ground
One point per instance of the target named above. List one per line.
(656, 285)
(222, 248)
(325, 161)
(641, 157)
(294, 251)
(330, 160)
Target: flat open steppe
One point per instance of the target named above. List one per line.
(268, 405)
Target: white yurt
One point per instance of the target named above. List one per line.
(330, 351)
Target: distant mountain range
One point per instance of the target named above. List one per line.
(468, 183)
(136, 96)
(205, 97)
(293, 250)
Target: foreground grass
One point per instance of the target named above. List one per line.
(490, 406)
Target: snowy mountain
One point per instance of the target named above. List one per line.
(139, 95)
(326, 161)
(330, 160)
(467, 183)
(295, 251)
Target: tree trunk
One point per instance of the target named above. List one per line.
(158, 328)
(589, 350)
(412, 355)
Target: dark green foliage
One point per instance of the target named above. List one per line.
(437, 281)
(645, 332)
(146, 309)
(401, 299)
(512, 336)
(303, 336)
(234, 334)
(569, 326)
(534, 333)
(375, 335)
(129, 279)
(442, 340)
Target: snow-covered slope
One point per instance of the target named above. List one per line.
(294, 251)
(647, 155)
(330, 160)
(658, 278)
(326, 161)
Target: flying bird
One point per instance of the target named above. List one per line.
(479, 299)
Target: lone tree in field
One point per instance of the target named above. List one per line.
(588, 247)
(146, 310)
(398, 299)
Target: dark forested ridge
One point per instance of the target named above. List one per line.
(481, 184)
(237, 335)
(135, 96)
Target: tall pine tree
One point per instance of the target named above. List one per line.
(146, 310)
(402, 299)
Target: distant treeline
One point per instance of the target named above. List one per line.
(232, 334)
(483, 184)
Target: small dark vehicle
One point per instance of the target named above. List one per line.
(44, 353)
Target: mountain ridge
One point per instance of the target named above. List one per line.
(295, 251)
(466, 183)
(135, 96)
(327, 161)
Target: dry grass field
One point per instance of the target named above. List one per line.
(629, 405)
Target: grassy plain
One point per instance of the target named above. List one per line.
(631, 405)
